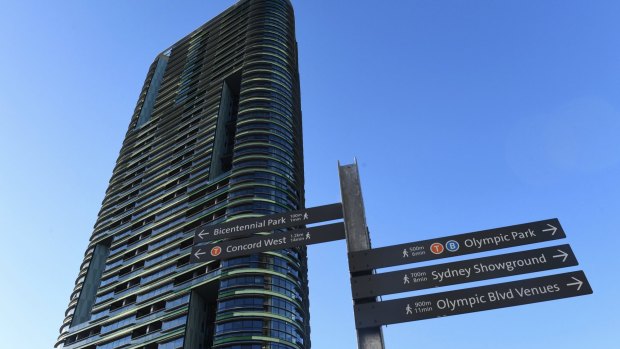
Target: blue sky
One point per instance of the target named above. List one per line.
(463, 115)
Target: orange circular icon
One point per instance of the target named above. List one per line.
(437, 248)
(215, 251)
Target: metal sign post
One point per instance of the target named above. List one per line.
(367, 285)
(358, 239)
(239, 238)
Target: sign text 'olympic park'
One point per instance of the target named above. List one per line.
(456, 245)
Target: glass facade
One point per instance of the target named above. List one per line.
(216, 135)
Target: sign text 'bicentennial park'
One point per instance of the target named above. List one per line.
(246, 226)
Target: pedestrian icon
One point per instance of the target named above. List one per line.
(305, 215)
(408, 309)
(307, 235)
(406, 279)
(405, 253)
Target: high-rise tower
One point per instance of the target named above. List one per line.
(216, 135)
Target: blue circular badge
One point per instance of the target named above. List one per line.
(452, 246)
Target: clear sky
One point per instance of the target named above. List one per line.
(463, 115)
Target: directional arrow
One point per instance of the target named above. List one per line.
(199, 253)
(202, 234)
(578, 283)
(562, 254)
(552, 229)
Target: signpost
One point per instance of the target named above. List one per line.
(456, 245)
(247, 226)
(471, 300)
(463, 271)
(262, 243)
(366, 285)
